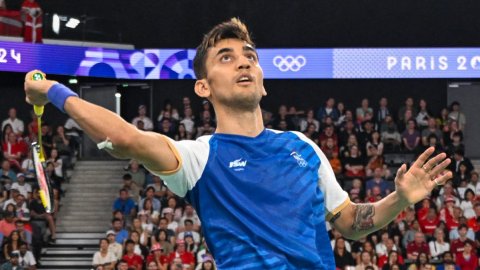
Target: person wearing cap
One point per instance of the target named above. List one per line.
(12, 263)
(104, 257)
(180, 252)
(142, 116)
(157, 255)
(24, 188)
(189, 229)
(115, 248)
(207, 263)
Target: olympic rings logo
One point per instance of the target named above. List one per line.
(289, 63)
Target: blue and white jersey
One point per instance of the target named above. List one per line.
(263, 201)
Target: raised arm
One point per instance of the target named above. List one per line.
(149, 148)
(357, 220)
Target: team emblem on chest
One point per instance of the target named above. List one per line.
(301, 162)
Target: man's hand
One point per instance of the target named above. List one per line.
(36, 91)
(424, 175)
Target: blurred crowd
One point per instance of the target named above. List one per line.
(151, 228)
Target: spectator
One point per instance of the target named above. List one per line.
(408, 106)
(7, 224)
(393, 261)
(151, 216)
(28, 168)
(361, 111)
(142, 116)
(13, 151)
(149, 194)
(328, 132)
(125, 204)
(459, 157)
(378, 181)
(38, 214)
(139, 248)
(104, 257)
(182, 133)
(61, 142)
(417, 246)
(164, 225)
(365, 261)
(328, 110)
(180, 252)
(47, 138)
(474, 222)
(207, 263)
(25, 257)
(57, 162)
(132, 187)
(442, 119)
(25, 235)
(24, 188)
(376, 141)
(457, 245)
(188, 121)
(384, 247)
(163, 239)
(309, 120)
(132, 259)
(391, 140)
(137, 173)
(343, 258)
(7, 173)
(354, 164)
(190, 214)
(189, 229)
(430, 222)
(467, 204)
(17, 125)
(157, 256)
(346, 132)
(74, 132)
(23, 213)
(421, 262)
(2, 5)
(423, 114)
(411, 138)
(120, 233)
(12, 263)
(113, 247)
(474, 183)
(11, 244)
(455, 144)
(456, 115)
(438, 246)
(467, 259)
(431, 129)
(382, 110)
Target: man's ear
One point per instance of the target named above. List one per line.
(264, 92)
(202, 89)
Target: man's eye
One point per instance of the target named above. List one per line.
(225, 58)
(251, 57)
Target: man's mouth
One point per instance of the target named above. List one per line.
(245, 79)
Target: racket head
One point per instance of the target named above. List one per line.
(45, 189)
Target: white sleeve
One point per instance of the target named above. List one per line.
(335, 197)
(192, 158)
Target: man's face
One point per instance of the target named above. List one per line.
(462, 232)
(234, 76)
(19, 200)
(6, 165)
(117, 225)
(419, 238)
(23, 249)
(163, 224)
(123, 195)
(123, 266)
(12, 113)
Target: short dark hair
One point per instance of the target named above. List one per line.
(115, 220)
(127, 176)
(188, 221)
(234, 28)
(129, 241)
(461, 226)
(123, 190)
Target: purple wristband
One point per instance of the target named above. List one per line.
(58, 94)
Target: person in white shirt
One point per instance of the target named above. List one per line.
(113, 246)
(438, 246)
(17, 124)
(474, 183)
(25, 257)
(24, 188)
(189, 231)
(142, 116)
(104, 257)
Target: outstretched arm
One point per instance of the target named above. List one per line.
(357, 220)
(150, 148)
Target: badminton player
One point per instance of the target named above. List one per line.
(263, 196)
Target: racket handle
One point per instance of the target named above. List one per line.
(38, 76)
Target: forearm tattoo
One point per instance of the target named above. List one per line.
(363, 217)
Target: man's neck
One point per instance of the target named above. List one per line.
(245, 123)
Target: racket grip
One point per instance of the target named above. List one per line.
(38, 110)
(38, 76)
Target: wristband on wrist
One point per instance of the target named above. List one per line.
(58, 94)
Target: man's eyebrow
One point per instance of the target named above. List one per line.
(224, 50)
(249, 48)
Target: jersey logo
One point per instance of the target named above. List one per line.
(301, 162)
(238, 165)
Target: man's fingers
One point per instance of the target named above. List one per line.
(440, 167)
(440, 180)
(424, 157)
(430, 164)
